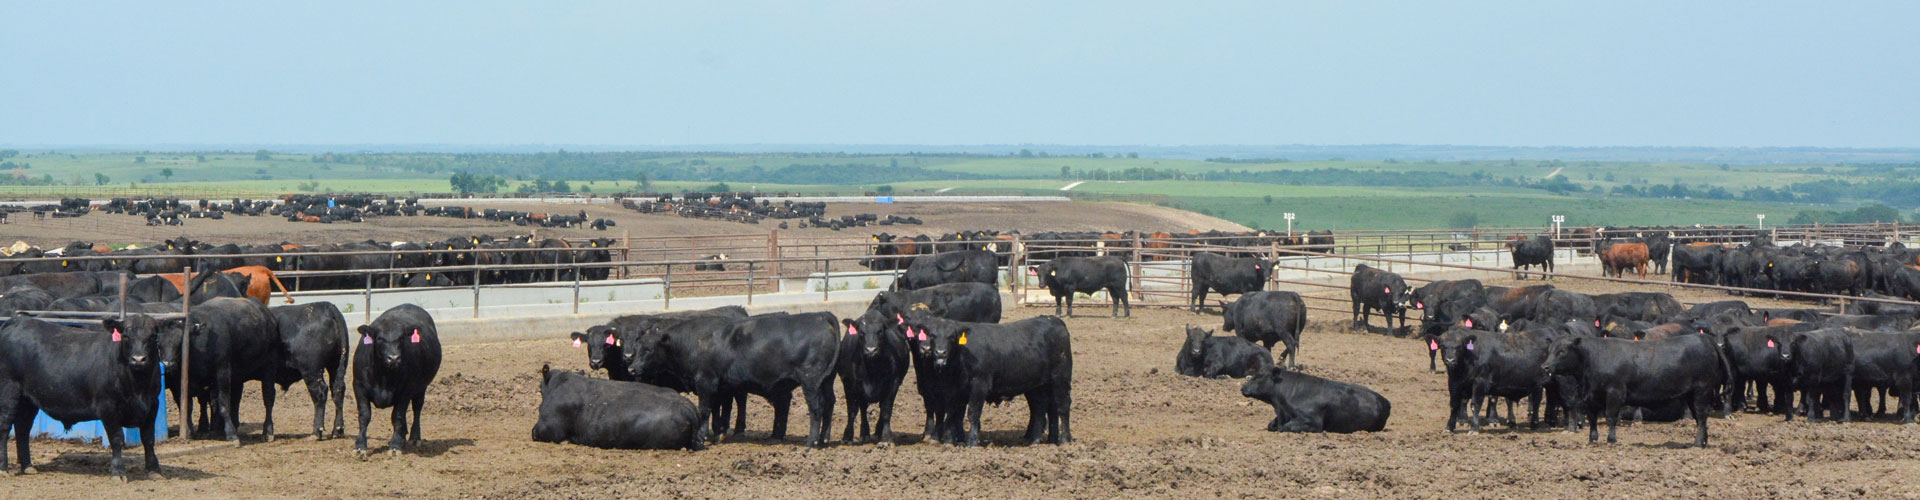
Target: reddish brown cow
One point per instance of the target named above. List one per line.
(1621, 256)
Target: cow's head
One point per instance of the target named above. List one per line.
(134, 338)
(1565, 356)
(644, 347)
(599, 342)
(384, 340)
(1265, 385)
(945, 340)
(1457, 347)
(873, 330)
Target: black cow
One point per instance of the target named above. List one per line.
(1864, 322)
(61, 285)
(714, 263)
(1227, 276)
(1881, 308)
(960, 266)
(1696, 263)
(766, 355)
(315, 336)
(1885, 361)
(971, 302)
(235, 341)
(1500, 364)
(872, 364)
(685, 331)
(987, 362)
(1305, 403)
(1066, 276)
(1651, 307)
(1372, 289)
(600, 341)
(25, 298)
(1758, 356)
(1659, 246)
(398, 355)
(77, 375)
(153, 289)
(578, 409)
(1608, 374)
(1820, 365)
(1443, 304)
(1268, 318)
(1204, 355)
(1529, 252)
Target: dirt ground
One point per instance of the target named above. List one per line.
(1144, 432)
(103, 228)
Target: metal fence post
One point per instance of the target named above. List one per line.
(826, 279)
(576, 289)
(476, 286)
(626, 252)
(367, 297)
(749, 282)
(186, 355)
(666, 289)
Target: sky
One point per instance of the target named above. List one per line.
(1523, 73)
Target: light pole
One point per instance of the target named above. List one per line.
(1763, 220)
(1557, 219)
(1289, 217)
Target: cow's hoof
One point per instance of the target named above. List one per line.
(339, 433)
(120, 478)
(393, 452)
(270, 437)
(317, 437)
(883, 445)
(360, 453)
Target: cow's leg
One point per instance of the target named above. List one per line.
(1037, 420)
(366, 416)
(226, 393)
(1862, 396)
(820, 407)
(1060, 414)
(1593, 425)
(856, 409)
(702, 412)
(1309, 422)
(1840, 399)
(1119, 296)
(739, 411)
(413, 435)
(317, 391)
(883, 428)
(1614, 405)
(976, 399)
(1056, 304)
(399, 418)
(10, 412)
(1199, 297)
(1070, 294)
(146, 442)
(267, 395)
(1479, 398)
(117, 441)
(782, 402)
(338, 379)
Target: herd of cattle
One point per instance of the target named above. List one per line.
(742, 208)
(892, 252)
(1583, 356)
(417, 259)
(317, 208)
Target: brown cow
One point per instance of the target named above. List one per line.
(1158, 245)
(257, 287)
(1621, 256)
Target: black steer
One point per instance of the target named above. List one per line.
(315, 336)
(1268, 318)
(235, 341)
(1372, 289)
(872, 364)
(398, 355)
(1305, 403)
(1204, 355)
(1529, 252)
(961, 266)
(971, 302)
(1608, 374)
(1066, 276)
(1226, 275)
(578, 409)
(1820, 365)
(766, 355)
(987, 362)
(75, 375)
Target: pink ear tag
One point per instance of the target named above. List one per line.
(899, 320)
(116, 335)
(416, 336)
(1419, 305)
(366, 340)
(1467, 323)
(1387, 290)
(1596, 322)
(1469, 345)
(577, 343)
(610, 340)
(1770, 344)
(1433, 345)
(851, 331)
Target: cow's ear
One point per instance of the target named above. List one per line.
(546, 373)
(113, 324)
(368, 330)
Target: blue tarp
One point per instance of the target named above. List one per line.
(45, 426)
(883, 199)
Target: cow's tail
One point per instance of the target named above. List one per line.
(1727, 389)
(276, 284)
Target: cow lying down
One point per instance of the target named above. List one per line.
(1305, 403)
(601, 413)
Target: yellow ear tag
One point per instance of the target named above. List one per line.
(429, 275)
(63, 263)
(616, 341)
(963, 338)
(279, 259)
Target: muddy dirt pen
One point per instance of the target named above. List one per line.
(1143, 431)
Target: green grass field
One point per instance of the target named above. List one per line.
(1317, 207)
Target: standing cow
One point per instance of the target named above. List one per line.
(75, 375)
(398, 356)
(1227, 276)
(1529, 252)
(1372, 289)
(1067, 276)
(1268, 318)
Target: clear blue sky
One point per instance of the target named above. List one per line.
(1526, 73)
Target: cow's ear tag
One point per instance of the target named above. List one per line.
(1596, 322)
(851, 331)
(1419, 305)
(611, 340)
(416, 335)
(897, 319)
(366, 340)
(1770, 344)
(577, 343)
(1387, 290)
(1433, 345)
(1467, 323)
(116, 335)
(963, 338)
(1469, 345)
